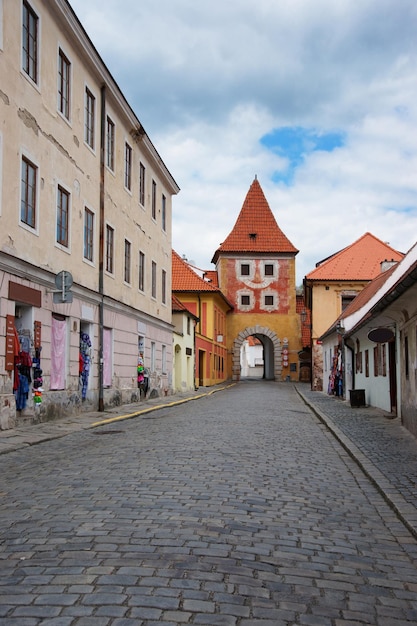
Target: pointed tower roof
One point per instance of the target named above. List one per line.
(255, 229)
(359, 261)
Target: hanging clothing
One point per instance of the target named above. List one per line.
(22, 392)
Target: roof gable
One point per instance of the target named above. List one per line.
(256, 229)
(184, 278)
(359, 261)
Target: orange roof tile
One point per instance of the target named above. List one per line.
(184, 278)
(255, 229)
(212, 276)
(359, 261)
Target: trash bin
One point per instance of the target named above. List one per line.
(357, 397)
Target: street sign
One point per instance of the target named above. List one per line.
(63, 282)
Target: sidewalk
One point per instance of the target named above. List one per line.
(383, 448)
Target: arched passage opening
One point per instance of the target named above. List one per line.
(272, 368)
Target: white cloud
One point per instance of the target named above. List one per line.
(208, 82)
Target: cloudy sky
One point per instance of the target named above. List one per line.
(317, 98)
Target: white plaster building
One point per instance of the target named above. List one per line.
(82, 191)
(375, 340)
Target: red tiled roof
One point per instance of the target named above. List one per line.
(359, 261)
(255, 229)
(184, 278)
(212, 276)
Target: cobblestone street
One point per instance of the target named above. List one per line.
(239, 509)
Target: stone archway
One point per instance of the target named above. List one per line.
(262, 333)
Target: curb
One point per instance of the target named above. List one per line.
(120, 418)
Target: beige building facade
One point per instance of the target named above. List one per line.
(85, 223)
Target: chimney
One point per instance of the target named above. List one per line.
(385, 265)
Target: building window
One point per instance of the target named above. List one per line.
(110, 137)
(367, 363)
(244, 269)
(188, 326)
(62, 217)
(64, 84)
(376, 360)
(109, 249)
(88, 234)
(28, 193)
(164, 213)
(269, 269)
(128, 167)
(142, 184)
(30, 42)
(153, 279)
(128, 247)
(245, 300)
(164, 287)
(153, 200)
(346, 300)
(269, 300)
(141, 271)
(90, 104)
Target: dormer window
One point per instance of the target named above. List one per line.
(252, 236)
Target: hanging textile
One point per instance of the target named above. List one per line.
(84, 363)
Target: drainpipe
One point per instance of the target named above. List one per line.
(101, 248)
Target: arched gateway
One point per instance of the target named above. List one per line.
(272, 351)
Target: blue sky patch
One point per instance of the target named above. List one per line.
(295, 143)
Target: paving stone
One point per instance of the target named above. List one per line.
(241, 510)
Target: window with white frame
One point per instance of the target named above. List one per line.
(62, 216)
(128, 261)
(142, 184)
(141, 271)
(153, 279)
(153, 200)
(109, 249)
(110, 138)
(28, 199)
(164, 212)
(164, 286)
(88, 234)
(64, 84)
(128, 166)
(89, 122)
(30, 41)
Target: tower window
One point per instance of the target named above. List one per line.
(244, 269)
